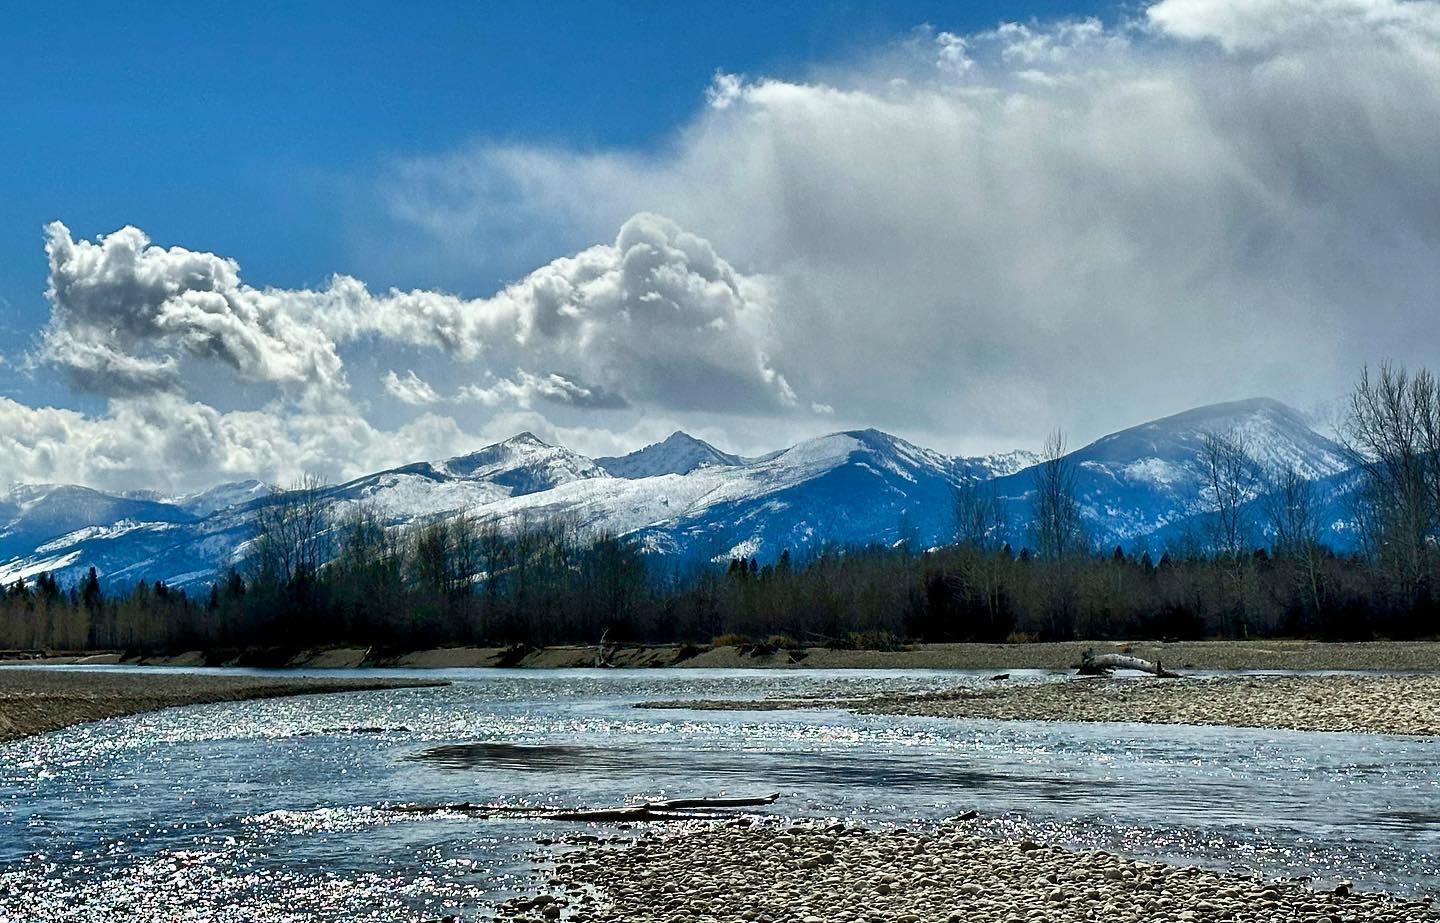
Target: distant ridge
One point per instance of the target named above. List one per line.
(684, 498)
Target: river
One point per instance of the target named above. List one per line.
(276, 810)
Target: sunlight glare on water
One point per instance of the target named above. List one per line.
(277, 810)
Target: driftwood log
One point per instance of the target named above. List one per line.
(673, 809)
(605, 650)
(1093, 664)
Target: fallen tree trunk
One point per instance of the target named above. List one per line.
(675, 809)
(662, 810)
(1093, 664)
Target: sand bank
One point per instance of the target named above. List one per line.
(36, 701)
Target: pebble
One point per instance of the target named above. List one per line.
(764, 874)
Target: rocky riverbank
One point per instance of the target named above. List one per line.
(839, 874)
(1408, 704)
(1396, 704)
(37, 701)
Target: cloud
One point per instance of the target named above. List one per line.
(655, 321)
(412, 389)
(526, 389)
(965, 238)
(1269, 25)
(1073, 223)
(168, 443)
(656, 318)
(124, 312)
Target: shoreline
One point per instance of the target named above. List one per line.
(815, 873)
(1407, 704)
(1289, 655)
(40, 701)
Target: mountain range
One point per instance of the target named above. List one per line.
(685, 499)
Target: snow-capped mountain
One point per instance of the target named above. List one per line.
(999, 464)
(31, 515)
(171, 544)
(520, 466)
(1148, 477)
(221, 497)
(682, 498)
(680, 453)
(831, 489)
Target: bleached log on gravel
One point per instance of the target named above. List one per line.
(1093, 664)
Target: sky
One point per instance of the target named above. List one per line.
(333, 238)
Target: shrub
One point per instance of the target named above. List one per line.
(874, 641)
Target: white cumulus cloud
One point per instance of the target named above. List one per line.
(657, 317)
(654, 321)
(411, 389)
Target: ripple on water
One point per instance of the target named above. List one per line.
(270, 811)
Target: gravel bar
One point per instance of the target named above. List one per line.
(1377, 704)
(836, 874)
(1407, 704)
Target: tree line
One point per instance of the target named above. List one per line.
(312, 578)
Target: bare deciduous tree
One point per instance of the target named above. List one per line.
(292, 537)
(1394, 431)
(1232, 483)
(1059, 531)
(1292, 506)
(979, 517)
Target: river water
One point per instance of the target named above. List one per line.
(277, 810)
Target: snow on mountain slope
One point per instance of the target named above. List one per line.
(518, 467)
(853, 487)
(221, 497)
(522, 464)
(997, 464)
(684, 498)
(33, 514)
(1142, 479)
(1275, 434)
(680, 453)
(137, 544)
(847, 488)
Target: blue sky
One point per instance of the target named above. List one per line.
(244, 130)
(963, 223)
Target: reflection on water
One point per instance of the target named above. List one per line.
(276, 810)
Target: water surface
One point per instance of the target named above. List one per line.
(277, 810)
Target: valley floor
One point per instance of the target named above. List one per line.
(37, 701)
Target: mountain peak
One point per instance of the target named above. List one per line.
(523, 463)
(679, 453)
